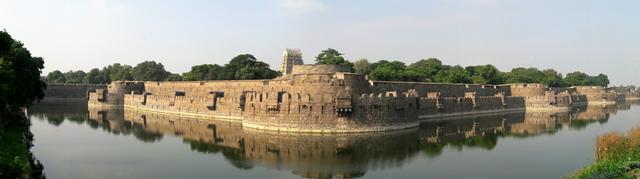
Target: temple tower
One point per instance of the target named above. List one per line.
(290, 57)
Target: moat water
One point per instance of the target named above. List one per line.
(73, 141)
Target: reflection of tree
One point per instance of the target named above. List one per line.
(331, 155)
(77, 119)
(487, 142)
(432, 150)
(308, 174)
(581, 124)
(56, 120)
(235, 156)
(146, 136)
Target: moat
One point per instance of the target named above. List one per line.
(76, 141)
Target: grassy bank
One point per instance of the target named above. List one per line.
(617, 156)
(16, 161)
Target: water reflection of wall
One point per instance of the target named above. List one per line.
(324, 156)
(331, 155)
(483, 132)
(315, 156)
(56, 112)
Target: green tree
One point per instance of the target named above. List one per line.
(361, 66)
(118, 72)
(149, 71)
(577, 78)
(246, 66)
(524, 75)
(20, 81)
(332, 57)
(204, 72)
(427, 67)
(56, 77)
(393, 71)
(455, 74)
(174, 77)
(552, 78)
(600, 80)
(388, 71)
(485, 74)
(75, 76)
(95, 76)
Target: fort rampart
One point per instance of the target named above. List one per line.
(330, 99)
(62, 91)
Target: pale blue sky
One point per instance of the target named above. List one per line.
(588, 35)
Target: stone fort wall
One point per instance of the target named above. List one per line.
(329, 99)
(320, 69)
(63, 91)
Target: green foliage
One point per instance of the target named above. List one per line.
(600, 80)
(455, 74)
(332, 57)
(14, 152)
(20, 82)
(429, 68)
(174, 77)
(204, 72)
(20, 85)
(577, 79)
(552, 78)
(361, 66)
(393, 71)
(524, 75)
(388, 71)
(115, 72)
(149, 71)
(74, 76)
(241, 67)
(582, 79)
(95, 76)
(617, 156)
(246, 66)
(56, 77)
(485, 74)
(432, 70)
(118, 72)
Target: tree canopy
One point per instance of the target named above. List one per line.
(204, 72)
(20, 82)
(56, 77)
(241, 67)
(429, 68)
(247, 66)
(432, 70)
(149, 71)
(332, 57)
(361, 66)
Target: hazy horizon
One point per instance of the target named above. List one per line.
(589, 36)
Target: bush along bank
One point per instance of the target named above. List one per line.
(16, 161)
(617, 156)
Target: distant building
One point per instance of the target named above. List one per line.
(290, 57)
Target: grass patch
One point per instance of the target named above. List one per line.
(617, 156)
